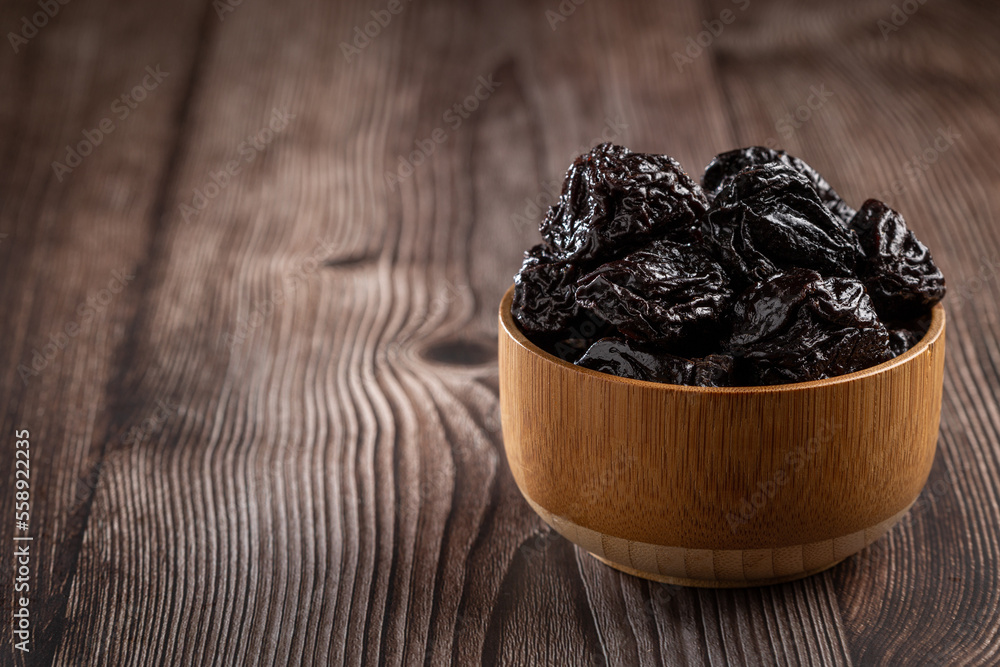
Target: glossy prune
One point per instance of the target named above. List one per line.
(897, 269)
(570, 344)
(726, 165)
(633, 360)
(768, 219)
(545, 293)
(901, 340)
(640, 277)
(799, 326)
(614, 200)
(664, 292)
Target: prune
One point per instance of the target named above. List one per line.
(726, 165)
(570, 349)
(570, 344)
(664, 292)
(614, 200)
(633, 360)
(904, 334)
(768, 219)
(545, 293)
(901, 340)
(641, 277)
(799, 326)
(897, 269)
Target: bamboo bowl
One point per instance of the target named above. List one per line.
(719, 487)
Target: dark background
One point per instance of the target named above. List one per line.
(272, 436)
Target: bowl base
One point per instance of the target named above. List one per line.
(707, 568)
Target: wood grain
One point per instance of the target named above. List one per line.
(71, 242)
(331, 488)
(871, 137)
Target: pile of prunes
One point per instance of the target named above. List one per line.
(761, 275)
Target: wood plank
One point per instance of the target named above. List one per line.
(290, 418)
(72, 237)
(923, 595)
(250, 527)
(333, 486)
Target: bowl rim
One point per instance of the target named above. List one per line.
(934, 332)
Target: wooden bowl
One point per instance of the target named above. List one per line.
(719, 487)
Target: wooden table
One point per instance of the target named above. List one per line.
(250, 273)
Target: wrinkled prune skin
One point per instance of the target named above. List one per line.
(641, 277)
(897, 269)
(768, 219)
(725, 166)
(545, 293)
(633, 360)
(905, 334)
(666, 292)
(901, 340)
(614, 200)
(799, 326)
(582, 332)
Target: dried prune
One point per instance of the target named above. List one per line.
(614, 200)
(714, 370)
(768, 219)
(901, 340)
(799, 326)
(904, 334)
(897, 269)
(726, 165)
(640, 276)
(570, 344)
(634, 360)
(545, 293)
(664, 292)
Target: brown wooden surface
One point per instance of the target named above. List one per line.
(332, 488)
